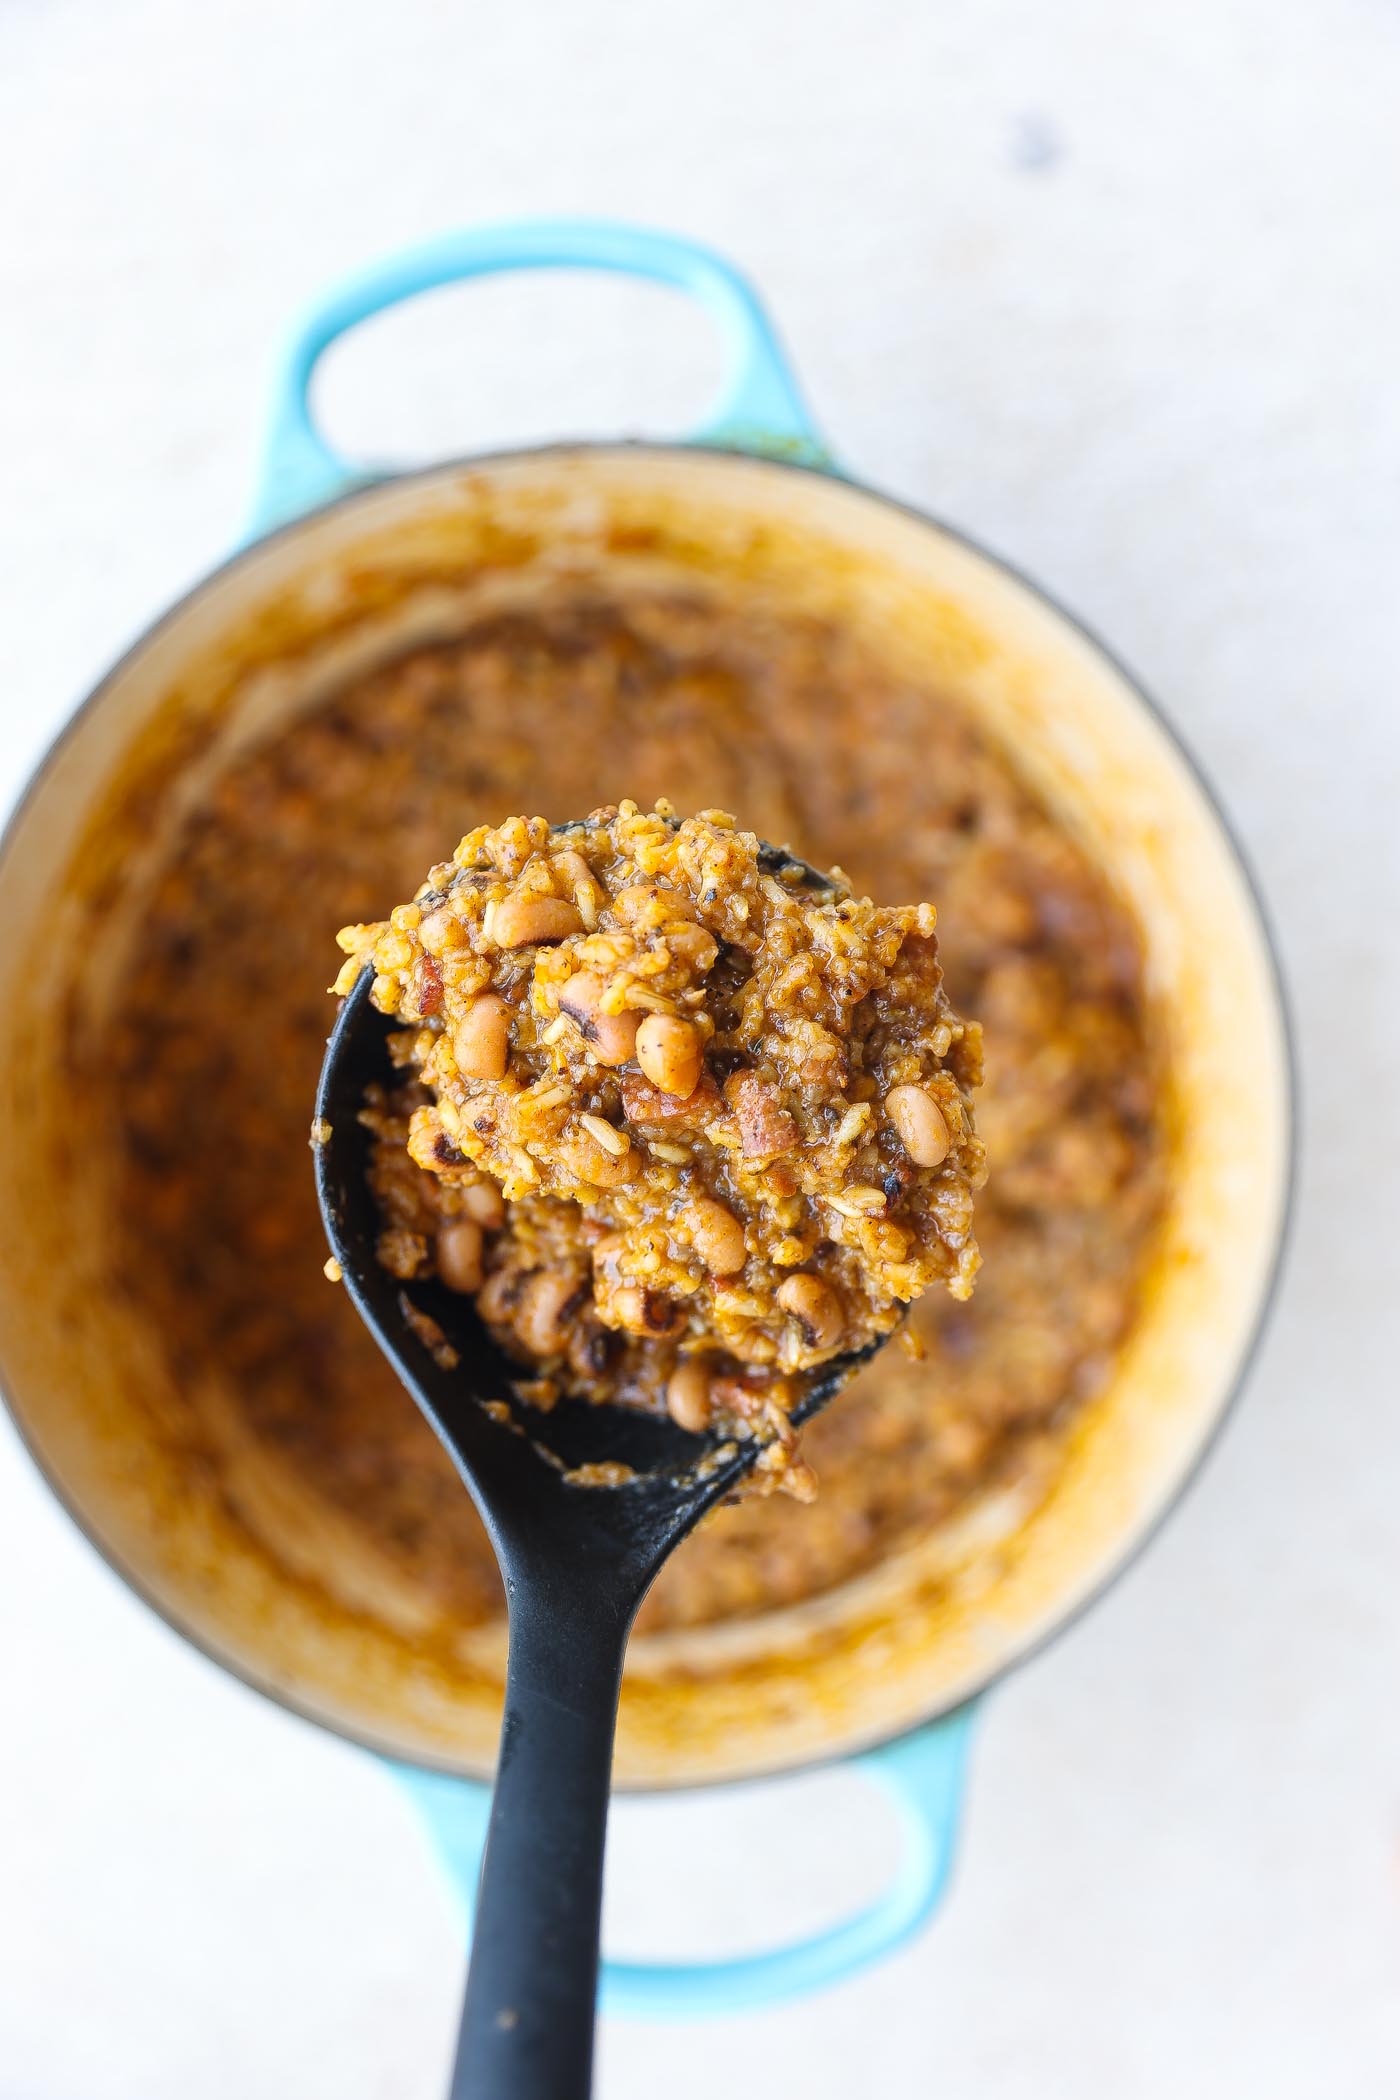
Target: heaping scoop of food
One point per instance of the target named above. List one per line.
(686, 1119)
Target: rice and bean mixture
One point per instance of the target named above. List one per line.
(803, 728)
(690, 1121)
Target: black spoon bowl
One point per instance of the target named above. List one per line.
(576, 1561)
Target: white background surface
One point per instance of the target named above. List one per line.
(1117, 289)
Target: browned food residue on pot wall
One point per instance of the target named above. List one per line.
(792, 723)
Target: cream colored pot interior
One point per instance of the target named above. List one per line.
(419, 558)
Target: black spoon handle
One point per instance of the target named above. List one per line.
(527, 2026)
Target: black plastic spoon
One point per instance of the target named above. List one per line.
(576, 1562)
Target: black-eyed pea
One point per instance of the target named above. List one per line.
(589, 1164)
(668, 1051)
(523, 921)
(541, 1316)
(483, 1202)
(919, 1120)
(693, 946)
(611, 1037)
(637, 898)
(570, 864)
(688, 1396)
(459, 1254)
(481, 1039)
(571, 868)
(627, 1308)
(434, 929)
(716, 1235)
(643, 1311)
(495, 1301)
(816, 1309)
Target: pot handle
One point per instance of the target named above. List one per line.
(759, 410)
(922, 1774)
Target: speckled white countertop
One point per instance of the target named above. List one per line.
(1115, 288)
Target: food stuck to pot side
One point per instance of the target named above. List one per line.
(689, 1124)
(805, 728)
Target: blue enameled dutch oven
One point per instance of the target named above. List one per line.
(344, 568)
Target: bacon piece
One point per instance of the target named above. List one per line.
(765, 1126)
